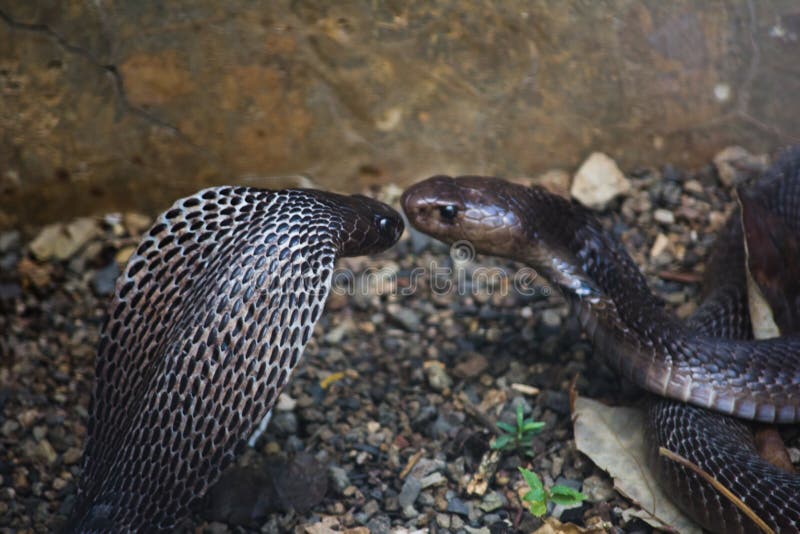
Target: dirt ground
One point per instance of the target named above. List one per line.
(385, 422)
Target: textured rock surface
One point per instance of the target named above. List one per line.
(129, 105)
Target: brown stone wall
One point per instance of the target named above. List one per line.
(127, 104)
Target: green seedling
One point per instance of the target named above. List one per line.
(538, 496)
(519, 437)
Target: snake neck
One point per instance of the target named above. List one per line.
(645, 343)
(566, 244)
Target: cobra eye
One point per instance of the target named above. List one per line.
(383, 225)
(448, 212)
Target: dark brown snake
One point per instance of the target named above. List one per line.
(708, 362)
(208, 321)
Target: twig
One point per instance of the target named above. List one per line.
(684, 277)
(410, 464)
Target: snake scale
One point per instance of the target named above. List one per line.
(707, 363)
(208, 321)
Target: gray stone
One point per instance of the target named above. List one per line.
(492, 501)
(380, 524)
(284, 423)
(409, 512)
(104, 280)
(426, 466)
(447, 424)
(293, 443)
(9, 240)
(339, 478)
(406, 317)
(426, 500)
(410, 492)
(369, 509)
(490, 519)
(457, 506)
(434, 479)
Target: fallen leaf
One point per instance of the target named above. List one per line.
(771, 448)
(613, 438)
(479, 482)
(772, 254)
(554, 526)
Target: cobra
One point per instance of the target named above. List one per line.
(208, 320)
(703, 364)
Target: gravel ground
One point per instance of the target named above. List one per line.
(387, 419)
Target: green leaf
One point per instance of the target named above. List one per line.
(532, 426)
(520, 416)
(501, 442)
(565, 495)
(537, 508)
(505, 427)
(537, 492)
(531, 478)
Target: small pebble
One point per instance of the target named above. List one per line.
(457, 506)
(71, 455)
(492, 501)
(598, 181)
(598, 489)
(409, 493)
(104, 280)
(437, 376)
(407, 317)
(664, 216)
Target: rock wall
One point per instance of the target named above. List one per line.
(126, 105)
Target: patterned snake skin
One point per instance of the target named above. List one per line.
(716, 443)
(209, 319)
(708, 361)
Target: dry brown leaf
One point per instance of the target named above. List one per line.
(771, 448)
(479, 482)
(613, 437)
(554, 526)
(763, 321)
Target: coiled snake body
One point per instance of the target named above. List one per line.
(209, 319)
(706, 361)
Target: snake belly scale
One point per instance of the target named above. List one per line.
(208, 321)
(707, 362)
